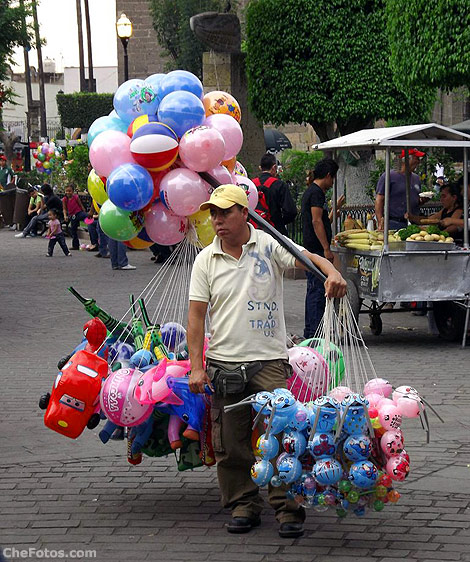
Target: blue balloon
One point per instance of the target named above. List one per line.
(173, 335)
(155, 80)
(106, 123)
(178, 80)
(181, 111)
(130, 187)
(141, 358)
(135, 98)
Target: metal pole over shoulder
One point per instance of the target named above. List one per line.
(283, 240)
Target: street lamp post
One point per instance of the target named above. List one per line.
(124, 31)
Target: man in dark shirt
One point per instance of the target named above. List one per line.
(316, 228)
(278, 197)
(51, 202)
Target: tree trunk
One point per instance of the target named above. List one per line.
(9, 140)
(354, 178)
(42, 94)
(81, 56)
(91, 84)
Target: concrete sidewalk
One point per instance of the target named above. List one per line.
(64, 495)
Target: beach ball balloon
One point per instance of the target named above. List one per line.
(201, 148)
(130, 187)
(96, 188)
(105, 123)
(117, 399)
(180, 80)
(154, 146)
(139, 121)
(181, 111)
(222, 102)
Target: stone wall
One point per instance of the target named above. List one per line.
(145, 54)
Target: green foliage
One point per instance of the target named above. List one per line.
(430, 42)
(323, 62)
(77, 168)
(33, 177)
(171, 22)
(82, 108)
(374, 175)
(296, 164)
(13, 32)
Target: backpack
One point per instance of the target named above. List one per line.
(262, 208)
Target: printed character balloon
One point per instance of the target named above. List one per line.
(300, 419)
(262, 472)
(322, 445)
(310, 377)
(221, 102)
(398, 468)
(392, 442)
(327, 471)
(267, 447)
(289, 469)
(357, 447)
(363, 474)
(118, 402)
(294, 443)
(389, 416)
(325, 413)
(134, 98)
(354, 414)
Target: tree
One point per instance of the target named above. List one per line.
(171, 22)
(430, 42)
(325, 63)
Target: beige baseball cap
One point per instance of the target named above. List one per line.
(226, 196)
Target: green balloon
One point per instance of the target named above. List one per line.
(334, 358)
(119, 224)
(41, 157)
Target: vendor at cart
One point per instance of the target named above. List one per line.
(398, 208)
(451, 223)
(452, 208)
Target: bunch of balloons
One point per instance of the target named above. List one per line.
(342, 450)
(147, 155)
(48, 157)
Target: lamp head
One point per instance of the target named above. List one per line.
(124, 27)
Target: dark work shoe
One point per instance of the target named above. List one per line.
(291, 530)
(243, 524)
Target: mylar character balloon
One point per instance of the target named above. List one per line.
(119, 224)
(262, 472)
(130, 187)
(327, 471)
(181, 111)
(357, 447)
(134, 98)
(363, 474)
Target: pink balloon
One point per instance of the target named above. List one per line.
(397, 468)
(340, 392)
(201, 148)
(389, 416)
(163, 227)
(221, 174)
(250, 188)
(403, 391)
(240, 170)
(379, 386)
(110, 150)
(374, 399)
(230, 130)
(182, 191)
(310, 378)
(409, 405)
(392, 442)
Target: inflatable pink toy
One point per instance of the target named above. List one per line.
(153, 386)
(118, 402)
(310, 378)
(378, 386)
(340, 392)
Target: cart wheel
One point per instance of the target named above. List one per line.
(44, 401)
(375, 324)
(93, 421)
(450, 320)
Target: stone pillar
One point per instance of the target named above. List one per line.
(227, 73)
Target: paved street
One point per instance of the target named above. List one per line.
(56, 493)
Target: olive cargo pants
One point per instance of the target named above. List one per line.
(231, 439)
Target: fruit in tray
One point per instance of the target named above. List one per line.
(361, 239)
(431, 233)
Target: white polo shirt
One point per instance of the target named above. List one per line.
(245, 297)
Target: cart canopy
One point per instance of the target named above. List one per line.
(424, 135)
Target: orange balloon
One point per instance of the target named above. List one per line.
(230, 164)
(222, 102)
(138, 244)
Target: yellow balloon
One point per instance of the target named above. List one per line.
(96, 205)
(202, 227)
(96, 188)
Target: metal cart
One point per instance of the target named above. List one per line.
(397, 273)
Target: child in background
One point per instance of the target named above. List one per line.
(55, 234)
(75, 211)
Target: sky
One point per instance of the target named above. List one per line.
(58, 26)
